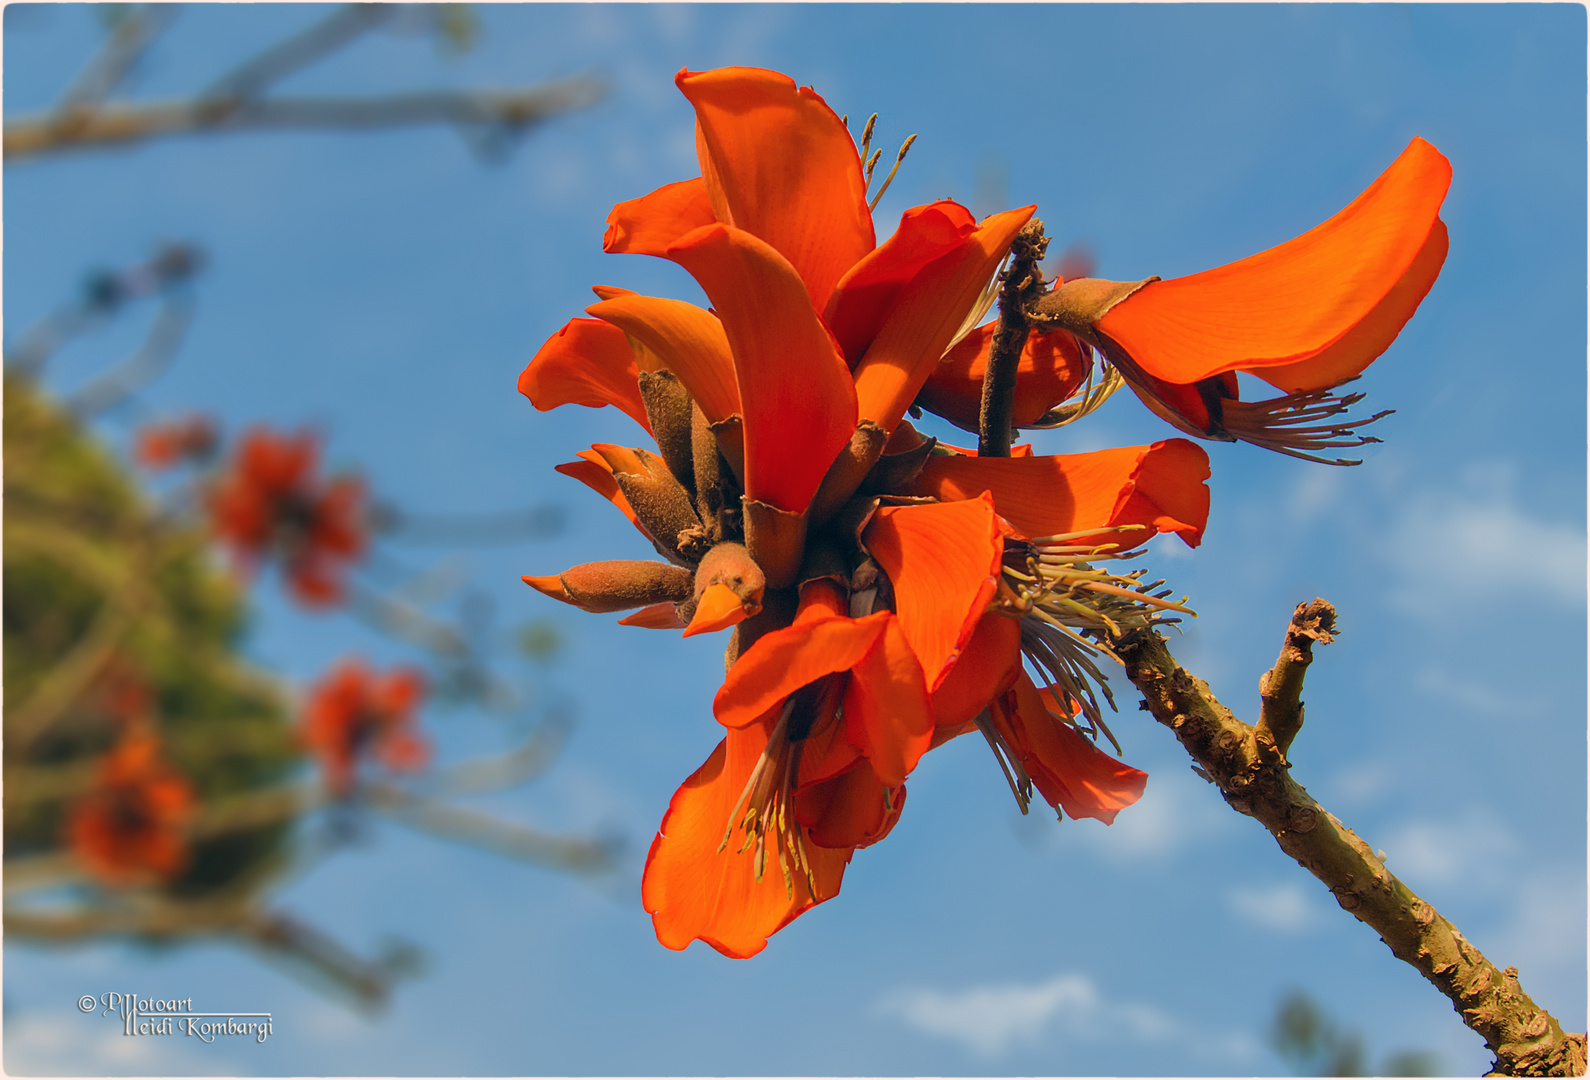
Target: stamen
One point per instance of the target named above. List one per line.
(866, 134)
(1085, 401)
(985, 301)
(1276, 424)
(1009, 762)
(866, 173)
(898, 158)
(768, 798)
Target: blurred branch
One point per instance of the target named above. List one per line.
(113, 387)
(1252, 774)
(484, 831)
(130, 38)
(126, 595)
(508, 527)
(494, 773)
(153, 917)
(511, 112)
(340, 28)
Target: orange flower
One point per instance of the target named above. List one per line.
(131, 827)
(1305, 316)
(271, 503)
(161, 446)
(354, 714)
(883, 595)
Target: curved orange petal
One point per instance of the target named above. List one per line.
(943, 561)
(888, 713)
(688, 340)
(586, 363)
(927, 315)
(785, 170)
(783, 661)
(649, 224)
(1066, 768)
(988, 666)
(718, 609)
(1368, 267)
(864, 296)
(1361, 345)
(1160, 486)
(852, 810)
(657, 617)
(1049, 370)
(694, 891)
(594, 472)
(796, 395)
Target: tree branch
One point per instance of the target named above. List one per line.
(1281, 688)
(1252, 774)
(514, 110)
(1023, 285)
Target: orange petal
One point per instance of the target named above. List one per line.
(926, 317)
(688, 340)
(851, 810)
(694, 891)
(1352, 281)
(1361, 345)
(656, 617)
(1049, 370)
(550, 586)
(649, 224)
(593, 471)
(783, 661)
(988, 666)
(586, 363)
(888, 713)
(718, 609)
(1065, 766)
(796, 395)
(869, 289)
(785, 170)
(1160, 486)
(943, 561)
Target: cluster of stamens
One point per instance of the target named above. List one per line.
(1059, 595)
(1288, 425)
(768, 799)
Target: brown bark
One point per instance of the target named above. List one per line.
(1022, 287)
(1249, 766)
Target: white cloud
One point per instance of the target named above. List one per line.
(991, 1020)
(1177, 809)
(1362, 782)
(1448, 545)
(1425, 853)
(55, 1046)
(1285, 908)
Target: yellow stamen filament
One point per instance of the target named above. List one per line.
(768, 821)
(898, 158)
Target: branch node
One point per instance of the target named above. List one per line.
(1281, 688)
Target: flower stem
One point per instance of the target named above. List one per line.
(1253, 776)
(1022, 286)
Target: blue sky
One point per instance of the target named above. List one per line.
(390, 288)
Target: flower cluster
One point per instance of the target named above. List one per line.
(131, 826)
(355, 714)
(270, 503)
(887, 592)
(170, 443)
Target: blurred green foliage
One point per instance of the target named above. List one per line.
(100, 586)
(1312, 1042)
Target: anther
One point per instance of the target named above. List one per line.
(898, 158)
